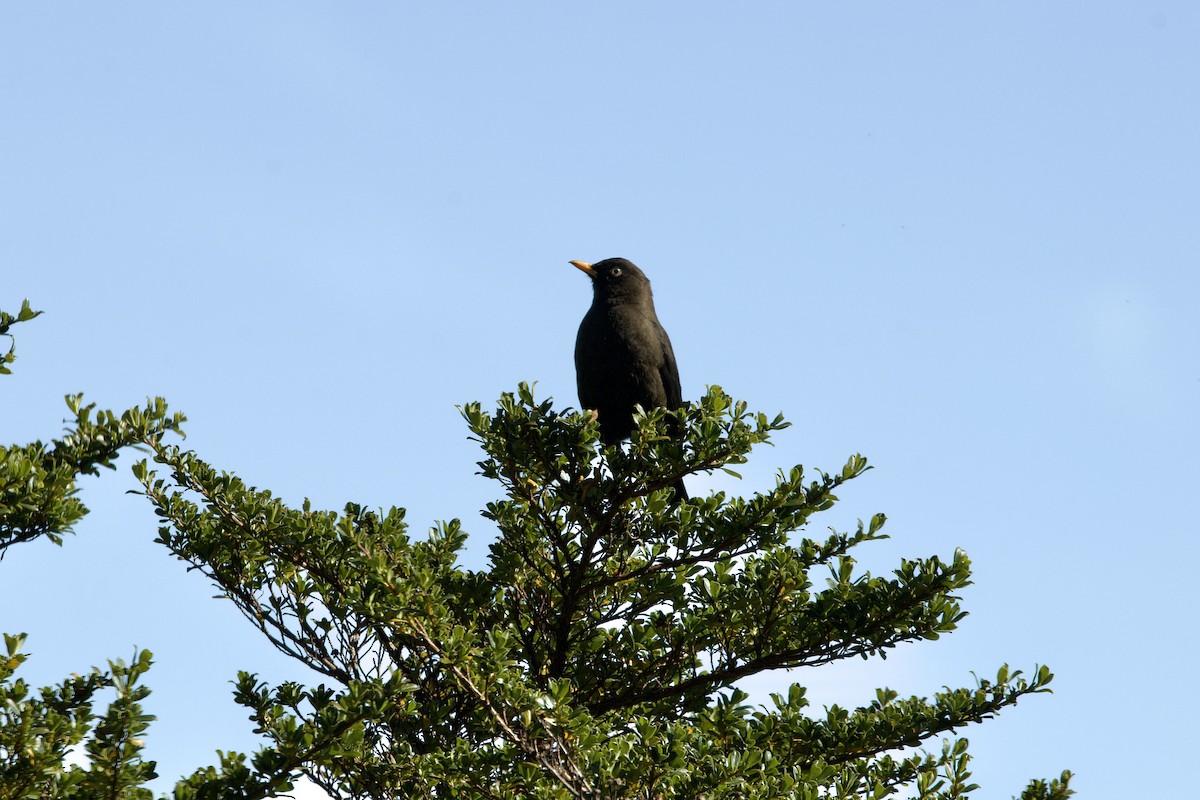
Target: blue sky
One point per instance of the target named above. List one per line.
(960, 239)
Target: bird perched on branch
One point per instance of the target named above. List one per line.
(623, 357)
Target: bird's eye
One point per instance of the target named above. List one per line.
(615, 272)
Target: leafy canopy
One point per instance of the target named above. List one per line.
(597, 656)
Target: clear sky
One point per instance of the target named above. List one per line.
(958, 238)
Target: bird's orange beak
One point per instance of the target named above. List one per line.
(586, 267)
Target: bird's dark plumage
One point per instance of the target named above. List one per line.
(623, 356)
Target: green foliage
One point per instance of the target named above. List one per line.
(599, 654)
(39, 482)
(1056, 789)
(38, 497)
(38, 729)
(6, 322)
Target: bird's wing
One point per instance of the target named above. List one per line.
(669, 372)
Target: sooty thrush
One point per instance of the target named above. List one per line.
(623, 356)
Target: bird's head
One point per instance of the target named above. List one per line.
(617, 280)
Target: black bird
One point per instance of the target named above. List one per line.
(623, 356)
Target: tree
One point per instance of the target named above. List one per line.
(39, 499)
(599, 654)
(39, 483)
